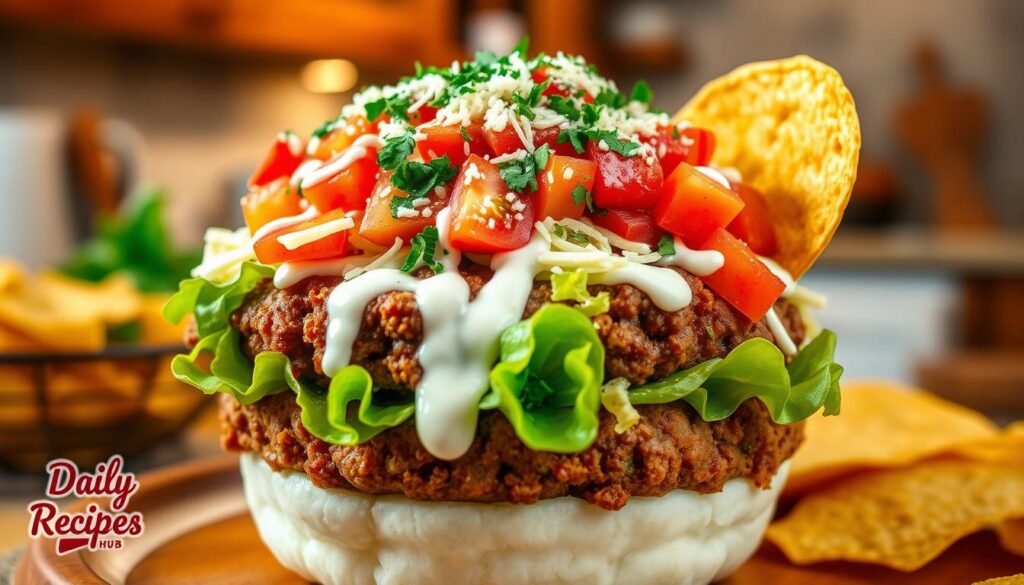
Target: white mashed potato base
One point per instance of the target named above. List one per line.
(340, 537)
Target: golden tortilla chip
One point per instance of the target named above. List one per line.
(114, 300)
(901, 518)
(790, 127)
(1007, 446)
(1011, 535)
(1011, 580)
(884, 424)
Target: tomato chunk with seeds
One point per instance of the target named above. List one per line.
(341, 136)
(624, 182)
(486, 216)
(743, 281)
(379, 224)
(328, 240)
(270, 202)
(559, 183)
(347, 189)
(285, 156)
(693, 205)
(753, 225)
(635, 226)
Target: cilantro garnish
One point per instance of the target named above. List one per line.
(395, 151)
(325, 128)
(465, 134)
(579, 138)
(397, 107)
(522, 173)
(642, 92)
(610, 97)
(564, 106)
(418, 179)
(581, 195)
(667, 246)
(423, 246)
(524, 106)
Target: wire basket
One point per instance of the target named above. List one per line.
(88, 406)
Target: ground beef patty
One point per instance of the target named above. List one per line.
(670, 448)
(641, 341)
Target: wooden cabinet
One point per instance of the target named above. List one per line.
(382, 33)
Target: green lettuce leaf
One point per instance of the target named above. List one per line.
(325, 413)
(572, 286)
(213, 304)
(756, 369)
(548, 380)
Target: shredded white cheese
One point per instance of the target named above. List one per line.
(295, 240)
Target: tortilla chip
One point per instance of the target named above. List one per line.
(1011, 535)
(1007, 446)
(790, 127)
(900, 518)
(114, 300)
(1011, 580)
(883, 425)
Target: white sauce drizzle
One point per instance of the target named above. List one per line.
(304, 169)
(698, 262)
(666, 288)
(292, 273)
(359, 149)
(782, 274)
(779, 331)
(715, 175)
(285, 222)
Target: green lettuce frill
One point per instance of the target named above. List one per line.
(547, 381)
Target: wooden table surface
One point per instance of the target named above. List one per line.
(199, 531)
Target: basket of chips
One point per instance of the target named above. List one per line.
(85, 351)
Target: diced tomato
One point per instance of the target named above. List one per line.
(753, 224)
(381, 228)
(692, 205)
(422, 115)
(270, 202)
(285, 156)
(635, 226)
(356, 241)
(507, 141)
(549, 136)
(348, 189)
(270, 250)
(555, 185)
(486, 216)
(503, 141)
(342, 136)
(690, 145)
(449, 141)
(624, 182)
(744, 281)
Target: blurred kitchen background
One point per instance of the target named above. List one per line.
(926, 279)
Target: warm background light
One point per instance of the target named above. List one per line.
(329, 76)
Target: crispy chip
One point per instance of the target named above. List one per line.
(883, 424)
(1011, 580)
(791, 129)
(1007, 446)
(1011, 535)
(900, 518)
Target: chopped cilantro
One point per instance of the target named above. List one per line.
(523, 46)
(524, 106)
(564, 106)
(642, 92)
(574, 136)
(591, 113)
(423, 246)
(465, 134)
(325, 128)
(611, 98)
(395, 151)
(581, 195)
(578, 237)
(666, 246)
(522, 173)
(418, 179)
(559, 230)
(396, 107)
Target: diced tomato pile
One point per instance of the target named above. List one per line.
(639, 196)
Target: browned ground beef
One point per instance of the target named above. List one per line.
(670, 448)
(641, 341)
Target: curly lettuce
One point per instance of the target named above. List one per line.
(756, 369)
(547, 381)
(572, 286)
(344, 413)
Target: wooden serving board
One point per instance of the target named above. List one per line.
(199, 531)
